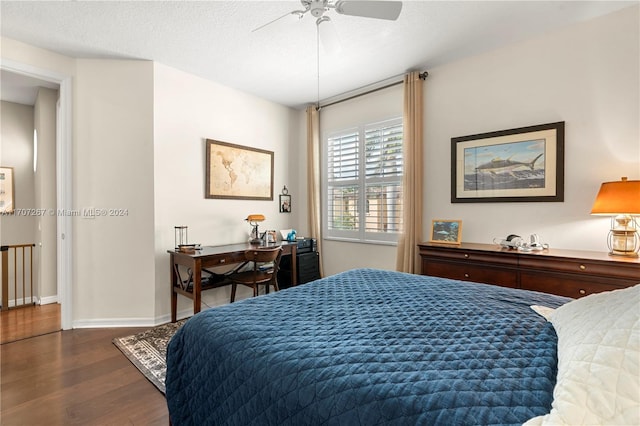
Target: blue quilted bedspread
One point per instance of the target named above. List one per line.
(366, 347)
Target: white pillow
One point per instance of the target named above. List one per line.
(598, 361)
(544, 311)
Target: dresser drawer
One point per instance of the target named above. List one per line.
(458, 255)
(563, 285)
(582, 267)
(465, 272)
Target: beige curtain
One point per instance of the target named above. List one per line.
(313, 177)
(407, 259)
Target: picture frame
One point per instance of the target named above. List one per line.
(446, 231)
(525, 164)
(238, 172)
(285, 203)
(7, 190)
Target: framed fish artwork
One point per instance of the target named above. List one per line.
(446, 231)
(523, 164)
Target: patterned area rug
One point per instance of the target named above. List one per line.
(148, 351)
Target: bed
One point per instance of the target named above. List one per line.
(369, 347)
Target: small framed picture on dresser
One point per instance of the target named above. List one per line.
(446, 231)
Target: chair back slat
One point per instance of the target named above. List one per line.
(262, 255)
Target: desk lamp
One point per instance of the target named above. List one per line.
(621, 201)
(253, 220)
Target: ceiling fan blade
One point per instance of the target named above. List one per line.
(299, 13)
(370, 9)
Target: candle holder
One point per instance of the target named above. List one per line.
(180, 236)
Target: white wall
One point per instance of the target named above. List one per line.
(45, 193)
(113, 171)
(187, 111)
(16, 150)
(586, 75)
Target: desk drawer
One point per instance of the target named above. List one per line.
(223, 259)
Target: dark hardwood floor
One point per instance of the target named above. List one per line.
(75, 377)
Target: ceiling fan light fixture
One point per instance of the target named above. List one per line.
(317, 8)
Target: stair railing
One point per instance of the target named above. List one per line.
(21, 254)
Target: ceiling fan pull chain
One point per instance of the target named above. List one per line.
(318, 62)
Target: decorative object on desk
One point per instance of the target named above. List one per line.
(270, 236)
(284, 233)
(189, 248)
(523, 164)
(253, 220)
(291, 236)
(446, 231)
(238, 172)
(7, 189)
(285, 201)
(621, 201)
(181, 235)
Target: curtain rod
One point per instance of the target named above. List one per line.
(423, 76)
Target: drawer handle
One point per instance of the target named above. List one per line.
(466, 275)
(223, 260)
(582, 291)
(583, 267)
(466, 255)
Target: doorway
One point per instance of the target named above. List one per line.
(63, 174)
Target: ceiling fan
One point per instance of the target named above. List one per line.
(378, 9)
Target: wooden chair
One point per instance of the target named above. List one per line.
(256, 276)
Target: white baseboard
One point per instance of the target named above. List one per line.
(38, 301)
(114, 323)
(20, 302)
(48, 300)
(130, 322)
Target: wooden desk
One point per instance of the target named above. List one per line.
(211, 257)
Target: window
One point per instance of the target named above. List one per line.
(364, 183)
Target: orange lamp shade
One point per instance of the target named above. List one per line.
(255, 218)
(615, 198)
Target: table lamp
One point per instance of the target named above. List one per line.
(621, 201)
(253, 220)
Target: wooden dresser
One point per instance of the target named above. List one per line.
(569, 273)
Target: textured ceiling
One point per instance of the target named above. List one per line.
(214, 39)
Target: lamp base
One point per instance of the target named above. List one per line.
(623, 253)
(623, 239)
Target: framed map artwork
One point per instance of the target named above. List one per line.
(238, 172)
